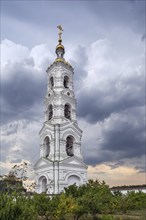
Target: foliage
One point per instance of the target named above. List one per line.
(136, 200)
(92, 199)
(107, 217)
(15, 179)
(16, 207)
(11, 183)
(66, 206)
(97, 198)
(46, 206)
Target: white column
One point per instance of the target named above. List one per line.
(56, 175)
(57, 140)
(57, 155)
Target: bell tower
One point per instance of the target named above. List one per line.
(61, 162)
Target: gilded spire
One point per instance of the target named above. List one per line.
(60, 48)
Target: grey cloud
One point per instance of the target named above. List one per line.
(120, 13)
(96, 104)
(122, 139)
(15, 160)
(141, 169)
(115, 164)
(20, 146)
(19, 18)
(143, 37)
(125, 136)
(79, 65)
(11, 129)
(5, 146)
(21, 93)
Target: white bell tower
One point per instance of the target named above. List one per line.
(61, 162)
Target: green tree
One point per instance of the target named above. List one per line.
(66, 206)
(46, 206)
(72, 190)
(77, 194)
(15, 179)
(10, 183)
(97, 198)
(116, 202)
(16, 207)
(136, 200)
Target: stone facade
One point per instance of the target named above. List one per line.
(61, 162)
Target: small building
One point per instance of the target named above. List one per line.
(125, 189)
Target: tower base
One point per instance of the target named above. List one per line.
(53, 176)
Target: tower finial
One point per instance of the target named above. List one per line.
(60, 29)
(60, 48)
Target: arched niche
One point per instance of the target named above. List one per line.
(51, 82)
(73, 179)
(46, 146)
(43, 184)
(67, 111)
(70, 146)
(50, 112)
(66, 82)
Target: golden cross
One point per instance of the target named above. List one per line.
(60, 29)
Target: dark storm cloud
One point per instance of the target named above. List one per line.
(141, 169)
(120, 13)
(118, 101)
(123, 137)
(126, 135)
(96, 104)
(21, 93)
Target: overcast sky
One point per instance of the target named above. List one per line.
(104, 42)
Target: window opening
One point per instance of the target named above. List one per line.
(67, 111)
(47, 146)
(52, 82)
(69, 146)
(66, 82)
(50, 111)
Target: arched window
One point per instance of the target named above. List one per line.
(67, 111)
(66, 82)
(69, 146)
(51, 82)
(46, 146)
(50, 112)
